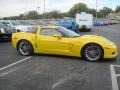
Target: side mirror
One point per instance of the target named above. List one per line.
(57, 36)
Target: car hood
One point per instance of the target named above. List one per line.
(23, 35)
(20, 26)
(94, 38)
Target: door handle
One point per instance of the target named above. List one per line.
(71, 45)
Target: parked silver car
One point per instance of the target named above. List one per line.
(6, 32)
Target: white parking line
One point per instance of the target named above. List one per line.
(8, 72)
(116, 65)
(63, 80)
(118, 75)
(14, 63)
(114, 77)
(58, 83)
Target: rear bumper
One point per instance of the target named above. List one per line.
(85, 27)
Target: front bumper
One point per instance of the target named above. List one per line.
(110, 52)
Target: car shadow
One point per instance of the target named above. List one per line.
(5, 41)
(74, 58)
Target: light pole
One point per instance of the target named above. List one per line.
(96, 8)
(38, 9)
(44, 6)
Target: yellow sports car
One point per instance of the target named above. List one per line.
(61, 41)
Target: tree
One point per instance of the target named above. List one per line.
(105, 11)
(5, 18)
(53, 14)
(21, 16)
(117, 9)
(78, 8)
(92, 11)
(32, 15)
(65, 14)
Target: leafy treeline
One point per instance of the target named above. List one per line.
(77, 8)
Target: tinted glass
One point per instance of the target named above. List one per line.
(67, 33)
(49, 32)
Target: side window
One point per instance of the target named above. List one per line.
(49, 32)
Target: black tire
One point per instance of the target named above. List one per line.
(25, 48)
(79, 31)
(84, 27)
(93, 52)
(89, 30)
(18, 30)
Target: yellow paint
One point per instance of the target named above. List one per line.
(64, 46)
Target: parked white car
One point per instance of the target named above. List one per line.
(18, 26)
(84, 21)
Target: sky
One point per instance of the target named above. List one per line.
(16, 7)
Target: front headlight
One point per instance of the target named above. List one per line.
(108, 42)
(2, 30)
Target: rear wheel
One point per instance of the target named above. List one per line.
(18, 30)
(84, 27)
(89, 30)
(93, 52)
(25, 48)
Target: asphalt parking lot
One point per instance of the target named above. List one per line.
(49, 72)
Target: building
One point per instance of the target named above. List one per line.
(113, 16)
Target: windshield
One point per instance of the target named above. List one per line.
(67, 33)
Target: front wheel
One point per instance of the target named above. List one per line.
(89, 30)
(93, 52)
(25, 48)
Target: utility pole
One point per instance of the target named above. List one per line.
(44, 6)
(96, 8)
(38, 9)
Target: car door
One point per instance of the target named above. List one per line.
(47, 43)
